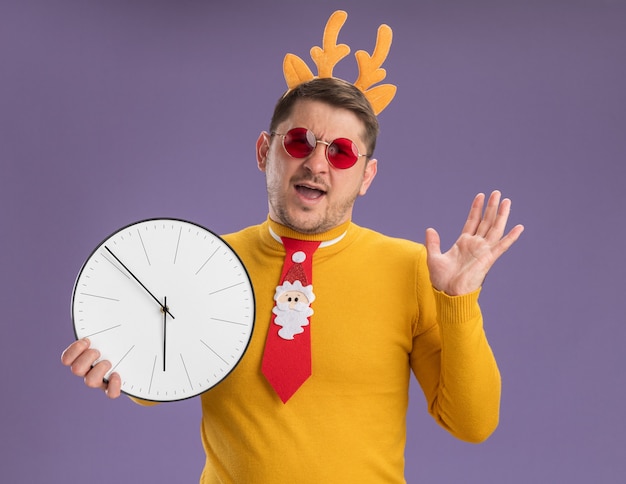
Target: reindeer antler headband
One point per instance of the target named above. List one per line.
(326, 58)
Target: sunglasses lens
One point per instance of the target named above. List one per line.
(342, 153)
(299, 142)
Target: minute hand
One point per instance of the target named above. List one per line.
(164, 308)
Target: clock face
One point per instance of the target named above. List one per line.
(169, 304)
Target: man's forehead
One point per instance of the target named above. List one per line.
(322, 118)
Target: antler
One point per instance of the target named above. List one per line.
(326, 58)
(371, 73)
(295, 69)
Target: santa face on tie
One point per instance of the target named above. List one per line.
(292, 308)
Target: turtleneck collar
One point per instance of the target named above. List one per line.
(328, 238)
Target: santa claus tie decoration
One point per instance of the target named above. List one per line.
(287, 356)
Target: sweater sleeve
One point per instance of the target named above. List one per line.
(453, 362)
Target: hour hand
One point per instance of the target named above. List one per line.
(163, 307)
(164, 332)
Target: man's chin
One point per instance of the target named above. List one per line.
(306, 222)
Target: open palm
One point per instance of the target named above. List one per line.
(463, 268)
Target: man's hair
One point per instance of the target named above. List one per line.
(334, 92)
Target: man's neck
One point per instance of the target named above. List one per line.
(329, 237)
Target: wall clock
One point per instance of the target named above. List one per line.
(169, 304)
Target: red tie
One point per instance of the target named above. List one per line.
(287, 356)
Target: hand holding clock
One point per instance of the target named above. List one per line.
(81, 359)
(83, 362)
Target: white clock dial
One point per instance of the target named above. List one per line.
(169, 304)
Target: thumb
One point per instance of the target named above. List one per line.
(432, 242)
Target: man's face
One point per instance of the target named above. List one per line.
(309, 195)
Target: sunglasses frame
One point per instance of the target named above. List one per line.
(326, 143)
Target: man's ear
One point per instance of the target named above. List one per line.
(262, 148)
(368, 176)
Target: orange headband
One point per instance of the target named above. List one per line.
(297, 72)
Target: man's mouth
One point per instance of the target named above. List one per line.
(310, 192)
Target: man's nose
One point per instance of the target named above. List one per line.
(316, 162)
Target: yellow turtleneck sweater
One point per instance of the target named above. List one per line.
(376, 318)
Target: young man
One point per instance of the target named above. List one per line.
(375, 308)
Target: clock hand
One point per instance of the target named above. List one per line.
(166, 310)
(164, 331)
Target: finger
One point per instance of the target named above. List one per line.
(496, 231)
(490, 214)
(475, 215)
(432, 242)
(74, 350)
(114, 387)
(508, 240)
(84, 362)
(95, 377)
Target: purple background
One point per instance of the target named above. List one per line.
(113, 111)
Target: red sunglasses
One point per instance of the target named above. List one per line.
(341, 153)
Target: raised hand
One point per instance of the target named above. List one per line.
(464, 267)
